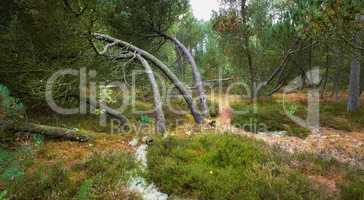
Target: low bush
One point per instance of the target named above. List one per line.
(269, 116)
(352, 187)
(225, 167)
(101, 176)
(335, 115)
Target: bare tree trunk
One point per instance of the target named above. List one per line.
(337, 78)
(180, 64)
(159, 115)
(310, 56)
(361, 86)
(252, 70)
(354, 87)
(195, 74)
(171, 76)
(326, 78)
(47, 131)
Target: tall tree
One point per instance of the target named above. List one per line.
(354, 86)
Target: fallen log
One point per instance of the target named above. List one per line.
(47, 131)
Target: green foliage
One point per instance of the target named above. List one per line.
(10, 105)
(101, 176)
(292, 109)
(44, 183)
(352, 188)
(11, 167)
(332, 115)
(136, 20)
(85, 190)
(335, 115)
(144, 119)
(3, 195)
(13, 164)
(12, 172)
(109, 173)
(5, 156)
(43, 37)
(267, 117)
(224, 167)
(327, 18)
(38, 140)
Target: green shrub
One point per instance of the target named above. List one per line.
(13, 171)
(352, 187)
(335, 115)
(224, 167)
(8, 104)
(101, 176)
(270, 116)
(109, 173)
(5, 157)
(45, 183)
(85, 190)
(3, 195)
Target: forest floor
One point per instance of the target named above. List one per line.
(344, 146)
(52, 169)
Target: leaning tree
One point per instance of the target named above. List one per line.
(128, 50)
(141, 21)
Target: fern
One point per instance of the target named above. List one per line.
(12, 172)
(144, 119)
(3, 195)
(38, 140)
(10, 105)
(4, 156)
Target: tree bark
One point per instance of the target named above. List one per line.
(354, 87)
(195, 74)
(326, 78)
(180, 64)
(246, 41)
(159, 115)
(47, 131)
(171, 76)
(337, 77)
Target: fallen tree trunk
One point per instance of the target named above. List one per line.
(47, 131)
(171, 76)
